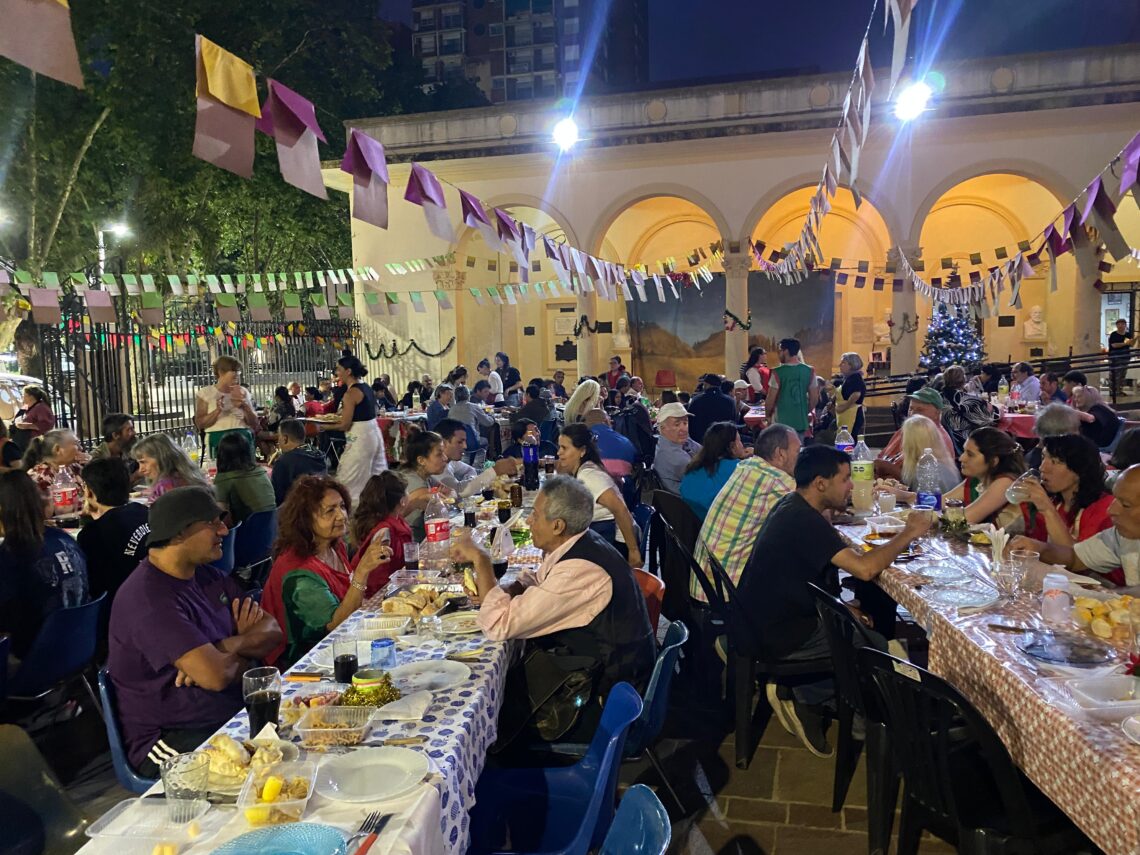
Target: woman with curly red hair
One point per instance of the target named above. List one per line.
(313, 586)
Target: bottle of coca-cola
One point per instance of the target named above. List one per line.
(64, 493)
(435, 553)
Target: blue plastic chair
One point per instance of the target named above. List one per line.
(128, 778)
(474, 445)
(642, 514)
(253, 544)
(559, 811)
(62, 649)
(641, 825)
(226, 562)
(644, 732)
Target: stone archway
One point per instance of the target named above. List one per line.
(984, 212)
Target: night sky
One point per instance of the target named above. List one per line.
(704, 40)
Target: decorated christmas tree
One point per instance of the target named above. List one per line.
(951, 339)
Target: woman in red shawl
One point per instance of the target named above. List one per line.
(378, 517)
(313, 587)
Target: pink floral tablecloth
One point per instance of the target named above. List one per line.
(1018, 424)
(1089, 769)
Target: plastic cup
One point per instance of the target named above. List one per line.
(185, 778)
(886, 500)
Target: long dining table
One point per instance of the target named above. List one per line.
(457, 730)
(1089, 769)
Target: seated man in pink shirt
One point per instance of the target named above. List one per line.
(924, 402)
(582, 602)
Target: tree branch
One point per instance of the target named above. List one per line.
(70, 184)
(291, 53)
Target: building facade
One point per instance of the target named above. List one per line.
(1010, 143)
(519, 50)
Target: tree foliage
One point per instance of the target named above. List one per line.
(71, 160)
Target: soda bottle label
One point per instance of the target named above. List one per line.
(845, 447)
(530, 454)
(863, 470)
(928, 501)
(438, 531)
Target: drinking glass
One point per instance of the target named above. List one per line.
(412, 555)
(185, 778)
(1007, 577)
(886, 500)
(345, 660)
(954, 510)
(261, 689)
(1017, 493)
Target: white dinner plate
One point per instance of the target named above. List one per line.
(942, 570)
(371, 774)
(429, 675)
(459, 623)
(1131, 728)
(962, 597)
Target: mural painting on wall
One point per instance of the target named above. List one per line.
(687, 335)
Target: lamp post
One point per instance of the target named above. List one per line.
(120, 230)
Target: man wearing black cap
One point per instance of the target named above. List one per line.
(181, 634)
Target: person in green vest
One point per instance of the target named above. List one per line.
(791, 391)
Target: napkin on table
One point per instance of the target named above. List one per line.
(408, 708)
(998, 541)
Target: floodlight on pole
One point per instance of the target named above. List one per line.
(119, 230)
(566, 133)
(913, 101)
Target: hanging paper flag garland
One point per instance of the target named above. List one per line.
(320, 306)
(475, 216)
(1129, 165)
(417, 301)
(425, 190)
(291, 303)
(346, 306)
(364, 160)
(441, 298)
(478, 295)
(227, 307)
(1099, 207)
(374, 304)
(493, 293)
(37, 35)
(151, 312)
(227, 108)
(258, 307)
(99, 306)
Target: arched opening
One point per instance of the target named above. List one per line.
(850, 305)
(683, 334)
(988, 215)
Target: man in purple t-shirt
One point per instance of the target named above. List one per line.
(181, 635)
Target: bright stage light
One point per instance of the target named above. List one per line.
(119, 229)
(566, 133)
(912, 101)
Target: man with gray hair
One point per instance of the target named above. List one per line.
(583, 600)
(738, 512)
(1052, 420)
(468, 413)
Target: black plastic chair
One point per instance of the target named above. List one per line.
(855, 694)
(746, 658)
(673, 569)
(37, 809)
(5, 644)
(960, 783)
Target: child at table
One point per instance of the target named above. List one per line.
(379, 513)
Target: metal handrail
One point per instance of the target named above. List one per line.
(1087, 363)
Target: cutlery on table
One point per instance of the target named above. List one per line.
(373, 825)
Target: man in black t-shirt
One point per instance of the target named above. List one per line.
(1119, 352)
(797, 545)
(114, 541)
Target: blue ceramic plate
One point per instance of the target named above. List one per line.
(301, 838)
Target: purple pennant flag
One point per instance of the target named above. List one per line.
(292, 121)
(475, 216)
(364, 160)
(508, 228)
(1099, 206)
(45, 305)
(1129, 164)
(99, 306)
(425, 190)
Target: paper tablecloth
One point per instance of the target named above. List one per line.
(1089, 769)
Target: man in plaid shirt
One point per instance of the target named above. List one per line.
(744, 502)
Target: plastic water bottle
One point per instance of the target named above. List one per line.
(862, 474)
(844, 441)
(435, 553)
(929, 486)
(1003, 388)
(64, 493)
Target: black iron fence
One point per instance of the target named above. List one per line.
(153, 372)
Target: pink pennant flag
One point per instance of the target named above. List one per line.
(475, 216)
(37, 35)
(364, 160)
(1129, 164)
(99, 306)
(425, 190)
(292, 122)
(508, 228)
(227, 109)
(1099, 207)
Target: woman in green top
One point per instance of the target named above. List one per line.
(311, 588)
(242, 487)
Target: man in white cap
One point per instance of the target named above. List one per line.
(674, 448)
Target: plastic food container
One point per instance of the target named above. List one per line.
(284, 808)
(296, 704)
(1111, 698)
(138, 825)
(370, 629)
(328, 726)
(885, 525)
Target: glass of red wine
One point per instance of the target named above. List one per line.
(261, 690)
(344, 660)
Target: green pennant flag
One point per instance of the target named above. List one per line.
(223, 299)
(151, 300)
(309, 280)
(23, 277)
(291, 300)
(477, 294)
(345, 300)
(50, 280)
(317, 299)
(257, 301)
(174, 282)
(77, 278)
(298, 279)
(393, 297)
(442, 299)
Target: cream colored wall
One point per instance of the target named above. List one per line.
(735, 181)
